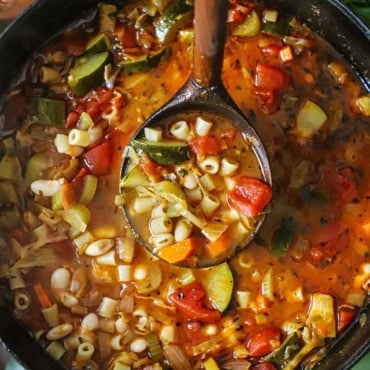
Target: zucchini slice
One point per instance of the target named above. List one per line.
(164, 151)
(144, 63)
(136, 177)
(87, 73)
(218, 282)
(98, 44)
(250, 27)
(175, 16)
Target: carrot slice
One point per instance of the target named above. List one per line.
(43, 298)
(217, 247)
(68, 195)
(179, 251)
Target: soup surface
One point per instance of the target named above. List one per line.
(95, 298)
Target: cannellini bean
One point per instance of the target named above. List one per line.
(180, 130)
(99, 247)
(182, 230)
(162, 240)
(60, 278)
(46, 188)
(59, 331)
(160, 225)
(79, 281)
(90, 322)
(202, 127)
(138, 345)
(210, 164)
(160, 210)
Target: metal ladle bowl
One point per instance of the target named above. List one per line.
(204, 91)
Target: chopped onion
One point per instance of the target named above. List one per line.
(176, 357)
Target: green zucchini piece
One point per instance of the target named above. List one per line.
(281, 27)
(163, 152)
(144, 63)
(98, 44)
(136, 177)
(283, 237)
(8, 194)
(87, 73)
(286, 352)
(49, 111)
(250, 27)
(312, 195)
(10, 217)
(218, 282)
(35, 166)
(107, 18)
(9, 168)
(174, 17)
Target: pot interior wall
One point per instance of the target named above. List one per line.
(329, 18)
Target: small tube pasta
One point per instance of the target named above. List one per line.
(160, 225)
(210, 164)
(95, 133)
(51, 315)
(15, 279)
(49, 75)
(107, 307)
(22, 301)
(55, 350)
(190, 181)
(209, 204)
(143, 204)
(125, 248)
(107, 325)
(124, 273)
(182, 230)
(85, 352)
(59, 332)
(202, 127)
(228, 167)
(162, 240)
(78, 137)
(152, 134)
(116, 342)
(71, 342)
(61, 143)
(194, 195)
(107, 259)
(167, 334)
(180, 130)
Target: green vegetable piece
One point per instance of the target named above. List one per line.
(174, 17)
(281, 27)
(49, 111)
(9, 168)
(164, 151)
(283, 237)
(310, 119)
(218, 282)
(155, 347)
(56, 201)
(35, 167)
(87, 73)
(98, 44)
(169, 187)
(107, 18)
(136, 177)
(8, 194)
(89, 189)
(144, 63)
(10, 217)
(78, 217)
(250, 27)
(286, 352)
(312, 195)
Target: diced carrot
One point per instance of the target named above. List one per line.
(68, 195)
(179, 251)
(286, 54)
(217, 247)
(42, 296)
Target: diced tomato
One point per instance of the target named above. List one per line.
(99, 159)
(327, 239)
(341, 183)
(189, 301)
(263, 341)
(126, 35)
(205, 145)
(344, 317)
(249, 196)
(267, 96)
(264, 366)
(151, 169)
(270, 77)
(72, 119)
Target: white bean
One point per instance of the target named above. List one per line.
(59, 331)
(116, 342)
(68, 299)
(121, 325)
(138, 345)
(90, 322)
(46, 188)
(160, 225)
(60, 278)
(160, 210)
(99, 247)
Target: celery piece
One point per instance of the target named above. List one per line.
(56, 201)
(8, 194)
(155, 348)
(49, 111)
(107, 18)
(78, 217)
(210, 364)
(250, 27)
(310, 119)
(89, 189)
(35, 167)
(9, 168)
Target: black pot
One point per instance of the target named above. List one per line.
(330, 18)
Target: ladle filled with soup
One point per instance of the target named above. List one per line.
(94, 297)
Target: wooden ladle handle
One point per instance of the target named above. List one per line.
(209, 40)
